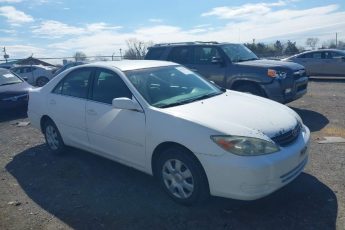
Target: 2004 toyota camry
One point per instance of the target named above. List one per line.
(165, 120)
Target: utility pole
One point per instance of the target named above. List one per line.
(6, 56)
(121, 53)
(336, 40)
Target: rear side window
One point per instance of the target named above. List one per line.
(204, 55)
(107, 86)
(75, 84)
(155, 53)
(181, 55)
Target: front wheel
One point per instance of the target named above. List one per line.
(53, 137)
(182, 176)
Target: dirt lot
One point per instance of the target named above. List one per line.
(79, 190)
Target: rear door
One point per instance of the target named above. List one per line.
(336, 63)
(66, 106)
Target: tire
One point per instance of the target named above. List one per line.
(251, 89)
(41, 81)
(53, 137)
(182, 177)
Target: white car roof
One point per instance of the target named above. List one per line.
(125, 65)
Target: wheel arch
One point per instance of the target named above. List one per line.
(44, 118)
(158, 151)
(241, 82)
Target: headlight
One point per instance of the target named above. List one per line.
(276, 74)
(245, 146)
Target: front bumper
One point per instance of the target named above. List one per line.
(250, 178)
(286, 90)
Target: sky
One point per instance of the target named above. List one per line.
(47, 28)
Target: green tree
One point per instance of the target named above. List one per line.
(278, 47)
(291, 48)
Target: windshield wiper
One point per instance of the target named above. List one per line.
(191, 100)
(250, 59)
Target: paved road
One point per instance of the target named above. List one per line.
(79, 190)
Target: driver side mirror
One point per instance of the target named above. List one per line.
(126, 103)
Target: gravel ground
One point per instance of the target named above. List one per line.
(79, 190)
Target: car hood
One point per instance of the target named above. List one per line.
(15, 89)
(272, 64)
(235, 113)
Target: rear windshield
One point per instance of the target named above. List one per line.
(8, 78)
(154, 53)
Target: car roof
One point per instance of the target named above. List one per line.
(37, 66)
(320, 50)
(125, 65)
(197, 43)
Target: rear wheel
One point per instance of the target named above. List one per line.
(41, 81)
(53, 137)
(182, 177)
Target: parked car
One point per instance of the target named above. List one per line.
(167, 121)
(14, 91)
(234, 66)
(37, 75)
(325, 62)
(67, 66)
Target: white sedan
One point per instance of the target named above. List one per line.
(167, 121)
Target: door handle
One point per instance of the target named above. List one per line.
(52, 102)
(91, 112)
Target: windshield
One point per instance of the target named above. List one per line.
(8, 78)
(238, 53)
(169, 86)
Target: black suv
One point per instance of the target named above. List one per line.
(234, 66)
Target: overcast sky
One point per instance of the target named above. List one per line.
(59, 28)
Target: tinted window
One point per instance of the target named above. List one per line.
(155, 53)
(182, 55)
(317, 55)
(107, 86)
(204, 55)
(76, 83)
(336, 54)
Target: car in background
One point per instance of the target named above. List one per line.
(67, 66)
(234, 66)
(168, 121)
(36, 75)
(14, 91)
(325, 62)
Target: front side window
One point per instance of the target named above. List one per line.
(181, 55)
(75, 84)
(107, 86)
(169, 86)
(238, 53)
(318, 55)
(204, 55)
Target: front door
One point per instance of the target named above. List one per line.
(202, 63)
(116, 133)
